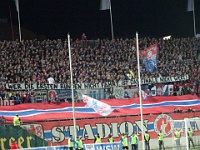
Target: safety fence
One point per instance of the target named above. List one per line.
(102, 146)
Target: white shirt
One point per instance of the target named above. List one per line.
(51, 80)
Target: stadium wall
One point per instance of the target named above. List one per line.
(57, 132)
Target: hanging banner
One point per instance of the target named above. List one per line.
(42, 86)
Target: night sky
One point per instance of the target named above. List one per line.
(55, 18)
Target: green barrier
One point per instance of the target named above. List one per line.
(23, 138)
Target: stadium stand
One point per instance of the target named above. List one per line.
(95, 60)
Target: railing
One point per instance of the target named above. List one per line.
(102, 146)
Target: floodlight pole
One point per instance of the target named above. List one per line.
(140, 95)
(72, 89)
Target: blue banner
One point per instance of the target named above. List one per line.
(103, 146)
(150, 65)
(65, 94)
(107, 146)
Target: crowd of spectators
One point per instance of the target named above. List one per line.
(97, 61)
(18, 96)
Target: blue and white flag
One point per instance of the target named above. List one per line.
(99, 107)
(150, 65)
(105, 5)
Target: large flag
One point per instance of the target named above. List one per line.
(17, 5)
(105, 5)
(190, 6)
(148, 56)
(99, 107)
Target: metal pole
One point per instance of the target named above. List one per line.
(111, 22)
(140, 95)
(186, 133)
(194, 20)
(72, 89)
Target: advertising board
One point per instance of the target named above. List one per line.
(57, 133)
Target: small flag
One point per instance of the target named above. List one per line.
(100, 107)
(190, 6)
(17, 5)
(144, 95)
(105, 5)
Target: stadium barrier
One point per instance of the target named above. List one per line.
(102, 146)
(102, 93)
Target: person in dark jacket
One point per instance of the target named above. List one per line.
(147, 139)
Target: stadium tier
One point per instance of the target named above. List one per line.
(31, 65)
(34, 71)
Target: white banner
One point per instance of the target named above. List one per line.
(99, 107)
(40, 86)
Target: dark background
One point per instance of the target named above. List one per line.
(55, 18)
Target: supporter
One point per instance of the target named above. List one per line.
(51, 80)
(111, 96)
(126, 95)
(179, 110)
(17, 98)
(187, 89)
(176, 90)
(24, 97)
(2, 93)
(45, 99)
(191, 110)
(31, 97)
(83, 37)
(10, 95)
(175, 110)
(101, 61)
(57, 100)
(197, 80)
